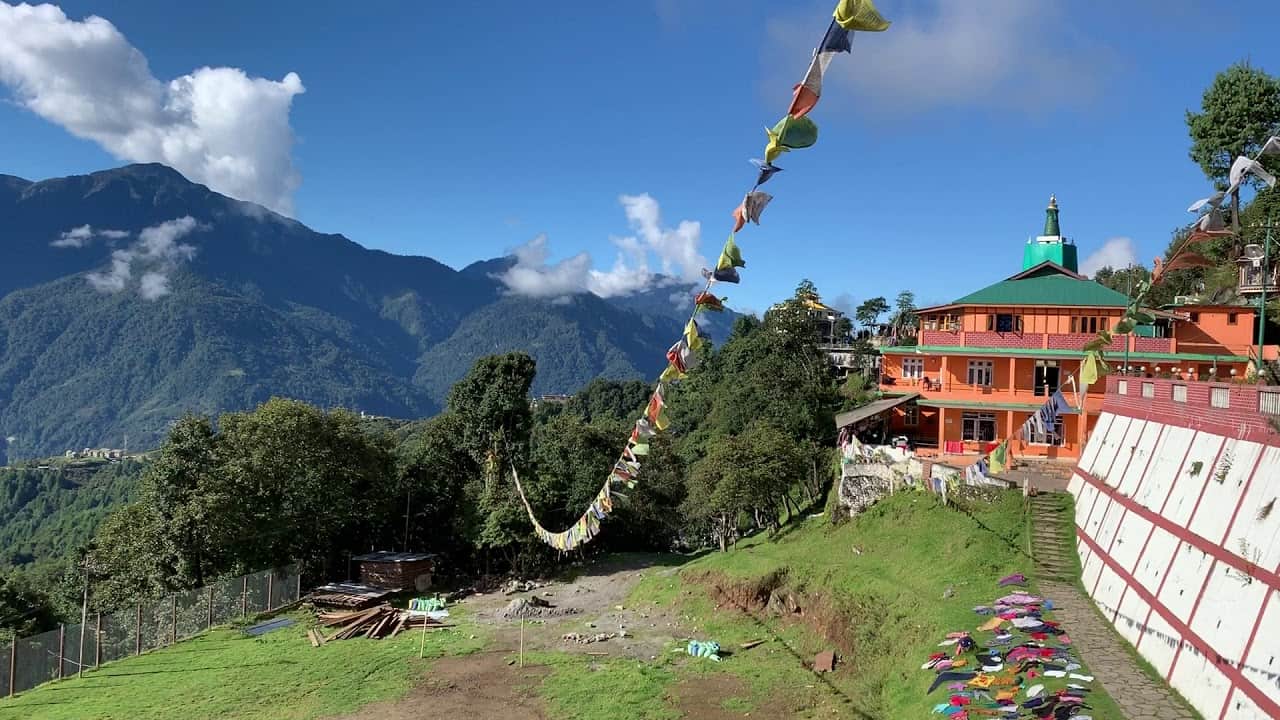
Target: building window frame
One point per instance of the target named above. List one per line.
(911, 415)
(1148, 389)
(1180, 393)
(1233, 318)
(1220, 397)
(912, 368)
(981, 373)
(978, 427)
(1041, 385)
(1122, 387)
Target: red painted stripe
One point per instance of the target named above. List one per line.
(1219, 553)
(1232, 673)
(1116, 493)
(1244, 654)
(1145, 469)
(1177, 653)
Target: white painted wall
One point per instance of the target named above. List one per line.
(1218, 488)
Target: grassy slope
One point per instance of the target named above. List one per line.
(912, 551)
(225, 673)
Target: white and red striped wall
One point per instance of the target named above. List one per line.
(1175, 545)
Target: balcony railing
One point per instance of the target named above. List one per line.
(1042, 341)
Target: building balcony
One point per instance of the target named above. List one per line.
(1074, 342)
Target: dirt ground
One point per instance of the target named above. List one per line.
(484, 686)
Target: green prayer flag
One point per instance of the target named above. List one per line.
(859, 15)
(999, 458)
(794, 133)
(730, 256)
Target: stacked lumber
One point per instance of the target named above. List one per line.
(376, 622)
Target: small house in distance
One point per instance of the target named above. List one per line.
(395, 570)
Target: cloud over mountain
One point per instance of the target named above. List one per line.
(217, 126)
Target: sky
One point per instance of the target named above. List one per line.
(603, 143)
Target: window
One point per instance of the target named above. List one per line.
(912, 367)
(1123, 387)
(1269, 402)
(1047, 375)
(1089, 325)
(1052, 436)
(1233, 318)
(1220, 397)
(1180, 393)
(911, 414)
(1195, 317)
(979, 427)
(980, 372)
(1148, 390)
(1004, 322)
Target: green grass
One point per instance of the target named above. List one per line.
(910, 551)
(585, 688)
(224, 673)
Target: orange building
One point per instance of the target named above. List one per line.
(985, 362)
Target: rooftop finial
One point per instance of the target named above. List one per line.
(1051, 218)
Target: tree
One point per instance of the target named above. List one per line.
(869, 312)
(806, 290)
(434, 471)
(1239, 111)
(24, 609)
(1123, 279)
(492, 406)
(175, 488)
(904, 318)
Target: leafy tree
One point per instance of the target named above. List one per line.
(434, 472)
(869, 312)
(175, 488)
(904, 317)
(616, 400)
(24, 608)
(492, 407)
(1239, 111)
(857, 391)
(806, 290)
(1122, 279)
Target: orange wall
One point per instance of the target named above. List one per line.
(955, 380)
(1213, 334)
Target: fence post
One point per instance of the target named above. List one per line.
(271, 580)
(137, 631)
(13, 663)
(244, 596)
(298, 593)
(210, 626)
(173, 631)
(97, 641)
(62, 639)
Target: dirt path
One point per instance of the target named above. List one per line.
(484, 685)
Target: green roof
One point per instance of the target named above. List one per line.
(1111, 355)
(1040, 288)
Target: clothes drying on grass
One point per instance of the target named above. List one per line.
(1016, 652)
(706, 649)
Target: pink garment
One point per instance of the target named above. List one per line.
(1019, 598)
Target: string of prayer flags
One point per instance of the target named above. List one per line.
(767, 171)
(1246, 165)
(860, 15)
(794, 131)
(790, 133)
(706, 301)
(1271, 146)
(1213, 200)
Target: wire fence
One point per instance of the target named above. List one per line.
(149, 624)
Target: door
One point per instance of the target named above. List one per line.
(1047, 373)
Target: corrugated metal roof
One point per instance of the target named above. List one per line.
(384, 556)
(873, 408)
(1058, 290)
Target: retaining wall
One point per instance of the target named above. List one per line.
(1178, 531)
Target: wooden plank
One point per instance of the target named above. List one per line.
(311, 635)
(753, 643)
(404, 617)
(350, 627)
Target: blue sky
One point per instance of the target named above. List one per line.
(464, 132)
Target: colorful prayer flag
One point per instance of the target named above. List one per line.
(681, 356)
(1092, 368)
(730, 256)
(729, 275)
(767, 171)
(707, 301)
(998, 459)
(859, 15)
(694, 335)
(836, 40)
(657, 411)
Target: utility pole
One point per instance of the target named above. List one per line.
(1262, 299)
(1129, 294)
(84, 615)
(407, 495)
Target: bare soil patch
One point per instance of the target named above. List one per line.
(476, 687)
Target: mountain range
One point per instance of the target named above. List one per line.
(133, 295)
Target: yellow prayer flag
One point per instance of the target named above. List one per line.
(859, 15)
(671, 373)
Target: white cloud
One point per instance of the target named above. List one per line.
(1117, 252)
(217, 126)
(675, 248)
(153, 285)
(1012, 54)
(157, 251)
(78, 237)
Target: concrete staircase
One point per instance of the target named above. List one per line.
(1052, 531)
